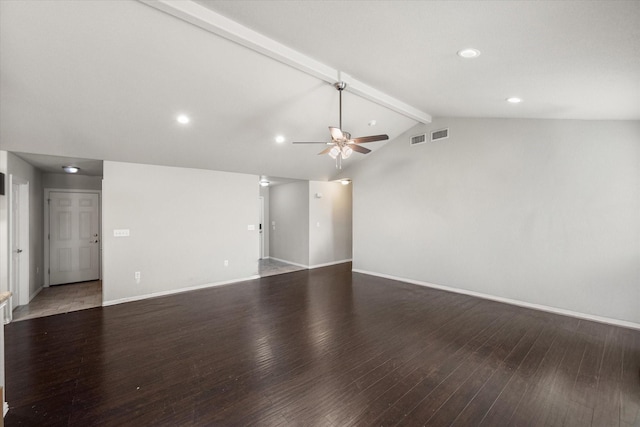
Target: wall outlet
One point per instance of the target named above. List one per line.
(226, 263)
(137, 276)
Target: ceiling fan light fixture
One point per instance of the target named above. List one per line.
(346, 152)
(342, 144)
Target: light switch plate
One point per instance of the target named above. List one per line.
(251, 227)
(121, 233)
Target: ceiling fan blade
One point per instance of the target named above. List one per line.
(325, 151)
(371, 138)
(359, 149)
(310, 142)
(336, 134)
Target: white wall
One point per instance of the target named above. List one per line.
(545, 212)
(330, 234)
(289, 208)
(21, 169)
(183, 222)
(73, 182)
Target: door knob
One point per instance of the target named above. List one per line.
(19, 251)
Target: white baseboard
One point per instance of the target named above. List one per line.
(311, 267)
(289, 262)
(327, 264)
(176, 291)
(600, 319)
(33, 295)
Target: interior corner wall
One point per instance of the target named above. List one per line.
(330, 234)
(544, 212)
(289, 209)
(19, 168)
(184, 223)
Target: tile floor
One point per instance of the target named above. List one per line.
(271, 267)
(79, 296)
(61, 299)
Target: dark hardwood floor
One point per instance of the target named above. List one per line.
(324, 347)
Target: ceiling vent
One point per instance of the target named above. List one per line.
(437, 135)
(418, 139)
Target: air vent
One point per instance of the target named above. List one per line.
(418, 139)
(437, 135)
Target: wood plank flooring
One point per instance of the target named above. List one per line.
(325, 347)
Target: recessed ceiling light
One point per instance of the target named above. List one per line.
(183, 119)
(71, 169)
(514, 100)
(468, 53)
(279, 139)
(264, 183)
(372, 123)
(345, 181)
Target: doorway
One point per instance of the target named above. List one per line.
(73, 233)
(19, 241)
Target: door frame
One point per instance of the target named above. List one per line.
(23, 286)
(261, 232)
(47, 196)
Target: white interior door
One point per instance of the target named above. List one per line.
(74, 241)
(261, 226)
(16, 245)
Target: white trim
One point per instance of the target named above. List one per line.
(5, 409)
(261, 232)
(24, 208)
(35, 293)
(290, 262)
(311, 267)
(177, 291)
(222, 26)
(47, 196)
(540, 307)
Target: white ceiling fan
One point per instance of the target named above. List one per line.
(342, 145)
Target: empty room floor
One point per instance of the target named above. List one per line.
(61, 299)
(320, 347)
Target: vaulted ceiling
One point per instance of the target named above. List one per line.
(105, 80)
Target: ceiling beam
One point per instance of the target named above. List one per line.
(222, 26)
